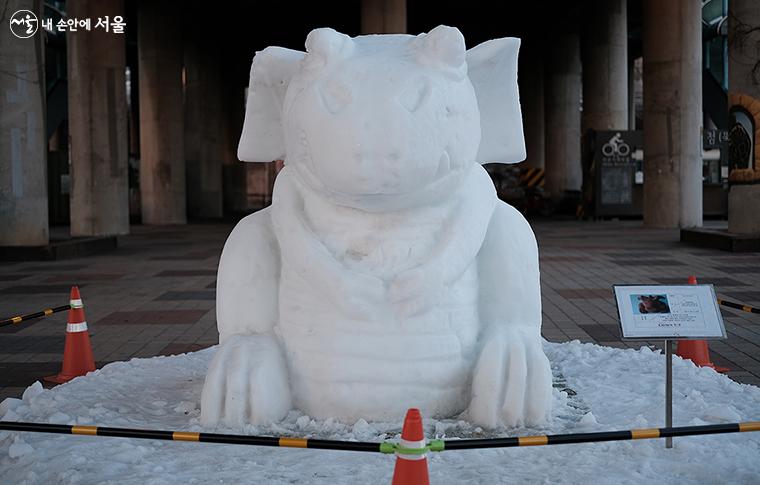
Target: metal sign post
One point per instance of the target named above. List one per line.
(668, 312)
(668, 390)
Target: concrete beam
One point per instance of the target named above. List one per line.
(672, 113)
(23, 143)
(383, 16)
(98, 124)
(604, 54)
(563, 117)
(162, 144)
(531, 78)
(206, 128)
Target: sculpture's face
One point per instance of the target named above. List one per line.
(374, 121)
(384, 122)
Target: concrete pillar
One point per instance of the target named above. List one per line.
(532, 102)
(98, 124)
(162, 146)
(563, 117)
(632, 94)
(205, 129)
(234, 172)
(23, 144)
(604, 53)
(672, 113)
(744, 94)
(383, 16)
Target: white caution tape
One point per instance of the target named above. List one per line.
(413, 445)
(76, 327)
(76, 303)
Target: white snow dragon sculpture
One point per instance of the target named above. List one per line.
(386, 274)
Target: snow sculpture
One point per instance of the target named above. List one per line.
(386, 274)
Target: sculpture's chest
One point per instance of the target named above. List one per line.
(382, 244)
(410, 271)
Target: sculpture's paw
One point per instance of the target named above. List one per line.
(247, 382)
(512, 382)
(414, 291)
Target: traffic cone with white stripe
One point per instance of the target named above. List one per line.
(411, 468)
(77, 352)
(697, 350)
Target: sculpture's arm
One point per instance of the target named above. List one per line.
(512, 380)
(247, 281)
(466, 231)
(510, 287)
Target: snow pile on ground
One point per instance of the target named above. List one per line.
(596, 388)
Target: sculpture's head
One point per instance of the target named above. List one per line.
(384, 121)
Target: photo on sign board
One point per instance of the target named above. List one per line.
(645, 304)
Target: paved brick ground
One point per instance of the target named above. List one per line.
(155, 294)
(581, 261)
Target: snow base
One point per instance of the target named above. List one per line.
(596, 389)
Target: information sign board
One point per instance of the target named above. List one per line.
(671, 312)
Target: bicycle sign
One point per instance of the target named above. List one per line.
(613, 172)
(616, 147)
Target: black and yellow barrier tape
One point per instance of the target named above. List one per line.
(44, 313)
(286, 442)
(738, 306)
(386, 446)
(632, 434)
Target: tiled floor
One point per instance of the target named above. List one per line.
(581, 261)
(147, 298)
(155, 294)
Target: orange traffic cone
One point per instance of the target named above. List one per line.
(697, 350)
(77, 352)
(411, 469)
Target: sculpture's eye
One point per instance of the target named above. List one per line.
(415, 94)
(336, 96)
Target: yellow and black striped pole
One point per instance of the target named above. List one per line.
(386, 446)
(631, 434)
(44, 313)
(738, 306)
(154, 434)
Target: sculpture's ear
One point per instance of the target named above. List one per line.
(262, 139)
(326, 45)
(492, 68)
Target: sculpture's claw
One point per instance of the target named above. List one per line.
(512, 382)
(247, 382)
